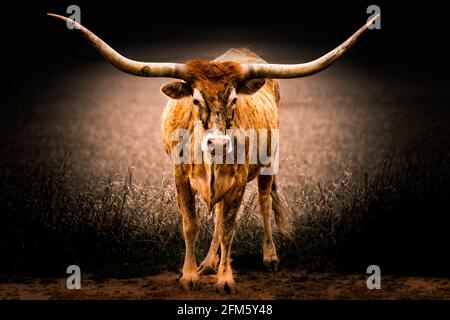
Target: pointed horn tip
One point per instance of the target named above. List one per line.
(57, 16)
(53, 15)
(373, 19)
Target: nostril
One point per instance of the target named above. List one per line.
(214, 144)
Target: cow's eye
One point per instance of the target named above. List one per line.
(234, 101)
(196, 102)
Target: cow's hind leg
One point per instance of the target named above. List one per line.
(225, 282)
(191, 226)
(270, 257)
(209, 264)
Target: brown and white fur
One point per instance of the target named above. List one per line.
(216, 94)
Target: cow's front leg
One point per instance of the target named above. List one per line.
(225, 282)
(191, 226)
(270, 257)
(209, 264)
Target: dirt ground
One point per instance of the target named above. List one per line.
(251, 285)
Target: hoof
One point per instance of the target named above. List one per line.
(272, 265)
(225, 288)
(189, 283)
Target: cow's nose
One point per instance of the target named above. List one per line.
(214, 143)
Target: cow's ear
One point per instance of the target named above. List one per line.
(250, 86)
(177, 90)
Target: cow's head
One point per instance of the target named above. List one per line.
(214, 87)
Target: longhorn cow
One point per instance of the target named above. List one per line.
(237, 90)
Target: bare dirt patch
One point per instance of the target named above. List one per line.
(251, 285)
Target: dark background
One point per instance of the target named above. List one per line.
(409, 44)
(412, 34)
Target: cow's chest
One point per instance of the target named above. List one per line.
(213, 181)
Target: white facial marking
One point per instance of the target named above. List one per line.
(232, 96)
(197, 95)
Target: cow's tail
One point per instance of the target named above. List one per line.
(283, 222)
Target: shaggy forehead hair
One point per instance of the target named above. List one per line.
(213, 74)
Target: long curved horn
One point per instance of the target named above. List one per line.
(137, 68)
(284, 71)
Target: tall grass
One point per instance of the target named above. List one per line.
(115, 226)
